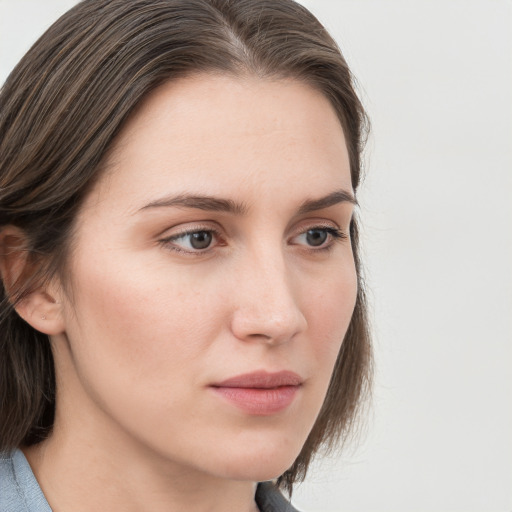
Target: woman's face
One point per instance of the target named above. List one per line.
(211, 279)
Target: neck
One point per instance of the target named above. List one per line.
(81, 478)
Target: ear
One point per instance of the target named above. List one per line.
(41, 305)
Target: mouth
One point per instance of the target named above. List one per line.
(260, 393)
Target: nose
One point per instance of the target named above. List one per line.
(266, 306)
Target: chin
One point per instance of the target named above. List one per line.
(257, 473)
(259, 463)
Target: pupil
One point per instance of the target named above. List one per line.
(316, 237)
(201, 240)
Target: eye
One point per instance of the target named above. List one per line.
(200, 239)
(319, 237)
(316, 237)
(194, 241)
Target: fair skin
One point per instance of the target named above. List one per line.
(165, 301)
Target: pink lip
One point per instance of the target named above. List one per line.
(260, 393)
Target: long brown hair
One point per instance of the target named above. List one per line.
(60, 111)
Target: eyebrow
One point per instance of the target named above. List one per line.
(211, 203)
(334, 198)
(199, 202)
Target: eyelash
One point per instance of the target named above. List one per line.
(336, 236)
(168, 242)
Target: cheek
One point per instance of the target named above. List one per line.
(330, 305)
(140, 320)
(141, 340)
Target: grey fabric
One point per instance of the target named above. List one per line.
(269, 499)
(20, 492)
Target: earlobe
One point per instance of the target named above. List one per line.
(38, 305)
(42, 312)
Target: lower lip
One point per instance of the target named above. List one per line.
(259, 401)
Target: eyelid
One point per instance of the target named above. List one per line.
(320, 223)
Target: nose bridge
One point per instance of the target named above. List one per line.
(266, 304)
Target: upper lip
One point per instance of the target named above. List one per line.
(261, 379)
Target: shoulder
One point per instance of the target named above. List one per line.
(10, 498)
(19, 490)
(270, 499)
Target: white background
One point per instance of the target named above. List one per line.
(436, 77)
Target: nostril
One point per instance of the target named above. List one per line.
(257, 336)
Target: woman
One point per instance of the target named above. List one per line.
(182, 310)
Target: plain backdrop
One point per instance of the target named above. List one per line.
(436, 78)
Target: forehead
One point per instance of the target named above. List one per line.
(227, 134)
